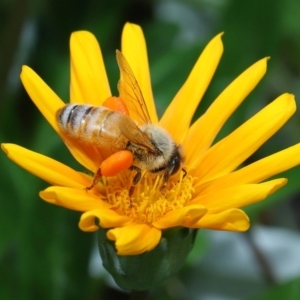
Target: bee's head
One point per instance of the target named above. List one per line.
(167, 156)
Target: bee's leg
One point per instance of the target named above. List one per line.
(166, 177)
(130, 193)
(136, 179)
(96, 179)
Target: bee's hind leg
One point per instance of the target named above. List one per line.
(112, 166)
(96, 179)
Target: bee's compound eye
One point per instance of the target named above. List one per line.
(175, 163)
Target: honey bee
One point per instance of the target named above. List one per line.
(152, 147)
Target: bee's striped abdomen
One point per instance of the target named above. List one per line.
(83, 121)
(71, 117)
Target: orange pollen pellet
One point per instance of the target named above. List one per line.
(116, 163)
(116, 104)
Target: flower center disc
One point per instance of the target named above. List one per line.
(149, 201)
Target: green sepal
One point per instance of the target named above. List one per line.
(149, 269)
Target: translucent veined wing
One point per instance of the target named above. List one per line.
(130, 91)
(134, 134)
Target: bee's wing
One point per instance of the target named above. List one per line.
(134, 134)
(130, 91)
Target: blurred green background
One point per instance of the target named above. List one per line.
(43, 254)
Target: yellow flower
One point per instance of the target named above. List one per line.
(213, 190)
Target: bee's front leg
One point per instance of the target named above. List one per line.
(166, 177)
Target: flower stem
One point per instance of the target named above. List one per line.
(262, 260)
(139, 295)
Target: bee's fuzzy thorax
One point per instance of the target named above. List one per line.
(162, 141)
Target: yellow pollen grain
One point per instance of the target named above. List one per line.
(149, 201)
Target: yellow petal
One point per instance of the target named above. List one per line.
(205, 129)
(179, 114)
(231, 151)
(231, 220)
(43, 97)
(186, 217)
(45, 168)
(218, 200)
(257, 171)
(48, 103)
(75, 199)
(89, 83)
(134, 239)
(107, 218)
(135, 51)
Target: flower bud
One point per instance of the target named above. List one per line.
(149, 269)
